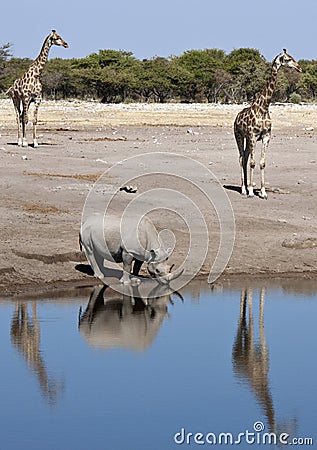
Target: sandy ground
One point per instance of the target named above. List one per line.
(44, 190)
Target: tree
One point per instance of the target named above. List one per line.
(235, 60)
(292, 79)
(202, 65)
(156, 79)
(108, 75)
(12, 70)
(5, 54)
(5, 51)
(249, 71)
(218, 86)
(307, 84)
(57, 78)
(196, 75)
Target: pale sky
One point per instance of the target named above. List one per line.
(161, 28)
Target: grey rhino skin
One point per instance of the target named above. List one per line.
(129, 240)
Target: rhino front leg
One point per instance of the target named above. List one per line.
(127, 267)
(137, 266)
(135, 280)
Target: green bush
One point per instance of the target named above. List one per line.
(295, 98)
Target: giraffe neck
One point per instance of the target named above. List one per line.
(39, 63)
(264, 98)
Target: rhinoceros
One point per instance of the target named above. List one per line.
(129, 241)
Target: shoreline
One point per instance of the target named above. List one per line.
(225, 281)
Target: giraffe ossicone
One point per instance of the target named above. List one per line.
(28, 89)
(254, 124)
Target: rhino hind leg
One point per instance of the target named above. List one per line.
(96, 261)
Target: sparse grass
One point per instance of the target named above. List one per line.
(77, 176)
(40, 208)
(106, 138)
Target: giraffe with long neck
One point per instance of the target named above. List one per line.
(28, 89)
(254, 124)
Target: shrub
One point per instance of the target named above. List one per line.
(295, 98)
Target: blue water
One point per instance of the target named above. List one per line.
(147, 377)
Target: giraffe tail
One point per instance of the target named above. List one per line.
(9, 91)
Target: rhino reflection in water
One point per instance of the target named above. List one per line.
(114, 320)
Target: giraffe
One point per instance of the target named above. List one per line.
(28, 88)
(254, 124)
(251, 358)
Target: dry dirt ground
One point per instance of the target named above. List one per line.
(43, 190)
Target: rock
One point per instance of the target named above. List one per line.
(129, 189)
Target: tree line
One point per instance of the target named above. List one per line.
(209, 75)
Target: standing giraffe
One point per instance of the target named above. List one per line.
(28, 88)
(254, 124)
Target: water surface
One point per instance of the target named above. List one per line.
(92, 370)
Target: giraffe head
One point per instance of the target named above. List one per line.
(284, 59)
(56, 39)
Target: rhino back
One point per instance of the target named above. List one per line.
(109, 235)
(139, 237)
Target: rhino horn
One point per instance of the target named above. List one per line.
(172, 276)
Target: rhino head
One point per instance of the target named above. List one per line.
(159, 269)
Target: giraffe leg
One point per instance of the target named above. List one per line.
(243, 188)
(17, 108)
(244, 171)
(251, 147)
(25, 119)
(240, 144)
(265, 143)
(36, 108)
